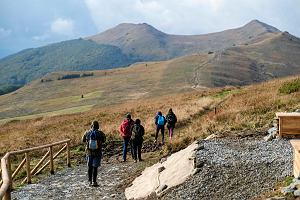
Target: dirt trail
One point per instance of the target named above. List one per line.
(72, 183)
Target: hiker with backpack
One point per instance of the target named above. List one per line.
(171, 121)
(125, 133)
(160, 122)
(137, 133)
(94, 138)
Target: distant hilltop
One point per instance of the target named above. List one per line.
(129, 43)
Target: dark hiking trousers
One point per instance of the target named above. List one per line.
(125, 147)
(92, 173)
(93, 162)
(137, 150)
(162, 129)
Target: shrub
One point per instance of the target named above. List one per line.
(290, 87)
(69, 76)
(8, 88)
(86, 74)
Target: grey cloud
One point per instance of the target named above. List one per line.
(27, 23)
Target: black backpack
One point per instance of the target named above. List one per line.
(171, 119)
(137, 132)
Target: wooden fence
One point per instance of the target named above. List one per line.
(8, 175)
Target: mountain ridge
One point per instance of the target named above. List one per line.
(121, 46)
(131, 39)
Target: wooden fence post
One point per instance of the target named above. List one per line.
(28, 168)
(7, 195)
(6, 169)
(51, 160)
(68, 154)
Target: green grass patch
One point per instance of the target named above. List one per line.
(93, 95)
(53, 113)
(290, 87)
(78, 149)
(287, 181)
(222, 94)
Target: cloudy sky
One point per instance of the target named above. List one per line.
(32, 23)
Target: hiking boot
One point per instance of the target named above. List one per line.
(135, 160)
(95, 184)
(140, 160)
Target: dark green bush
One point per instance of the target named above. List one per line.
(87, 74)
(69, 76)
(8, 88)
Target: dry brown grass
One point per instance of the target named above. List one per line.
(252, 108)
(239, 110)
(33, 132)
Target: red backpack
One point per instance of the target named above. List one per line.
(125, 128)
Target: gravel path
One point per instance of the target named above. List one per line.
(236, 169)
(72, 183)
(233, 169)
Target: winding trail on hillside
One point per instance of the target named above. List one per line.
(233, 168)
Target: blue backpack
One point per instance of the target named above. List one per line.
(160, 120)
(93, 143)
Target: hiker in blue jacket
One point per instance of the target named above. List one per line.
(94, 140)
(160, 122)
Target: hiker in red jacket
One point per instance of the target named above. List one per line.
(125, 133)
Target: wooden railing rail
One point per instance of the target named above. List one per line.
(8, 175)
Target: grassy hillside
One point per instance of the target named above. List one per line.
(62, 92)
(27, 65)
(240, 111)
(106, 87)
(274, 57)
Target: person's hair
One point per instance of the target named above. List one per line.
(128, 116)
(159, 113)
(170, 110)
(137, 121)
(95, 125)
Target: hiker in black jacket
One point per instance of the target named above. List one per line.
(160, 122)
(137, 133)
(171, 121)
(94, 140)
